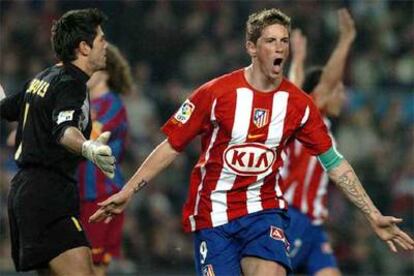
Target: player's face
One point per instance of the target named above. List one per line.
(97, 55)
(336, 101)
(271, 50)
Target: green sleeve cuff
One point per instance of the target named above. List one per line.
(330, 159)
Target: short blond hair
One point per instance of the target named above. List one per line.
(260, 20)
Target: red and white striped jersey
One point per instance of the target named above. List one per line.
(305, 182)
(243, 132)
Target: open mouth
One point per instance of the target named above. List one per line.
(277, 61)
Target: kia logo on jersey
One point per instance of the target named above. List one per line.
(249, 159)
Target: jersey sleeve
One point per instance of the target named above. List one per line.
(190, 119)
(67, 109)
(10, 106)
(314, 134)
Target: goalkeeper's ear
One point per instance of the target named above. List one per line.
(104, 137)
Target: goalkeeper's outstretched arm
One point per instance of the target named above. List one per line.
(95, 150)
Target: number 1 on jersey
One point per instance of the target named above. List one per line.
(19, 149)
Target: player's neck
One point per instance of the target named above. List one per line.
(258, 80)
(81, 64)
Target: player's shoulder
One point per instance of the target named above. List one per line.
(293, 89)
(65, 78)
(112, 98)
(297, 95)
(52, 78)
(57, 77)
(48, 74)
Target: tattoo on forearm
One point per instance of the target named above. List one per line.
(140, 185)
(352, 187)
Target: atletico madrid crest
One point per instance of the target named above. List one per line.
(260, 117)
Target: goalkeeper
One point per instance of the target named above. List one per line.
(53, 117)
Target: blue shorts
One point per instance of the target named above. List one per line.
(310, 250)
(219, 250)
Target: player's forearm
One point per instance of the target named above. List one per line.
(345, 178)
(297, 72)
(158, 160)
(333, 71)
(72, 139)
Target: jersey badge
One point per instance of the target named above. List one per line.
(185, 111)
(277, 234)
(65, 116)
(260, 117)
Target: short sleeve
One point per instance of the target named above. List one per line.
(314, 134)
(67, 111)
(190, 119)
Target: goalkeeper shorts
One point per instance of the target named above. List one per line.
(43, 211)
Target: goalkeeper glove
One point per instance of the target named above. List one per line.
(100, 154)
(2, 94)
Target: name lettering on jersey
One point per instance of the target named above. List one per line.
(249, 159)
(38, 87)
(260, 117)
(185, 111)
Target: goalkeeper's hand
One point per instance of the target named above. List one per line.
(2, 94)
(100, 153)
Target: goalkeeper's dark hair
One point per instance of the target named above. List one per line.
(312, 78)
(119, 71)
(72, 28)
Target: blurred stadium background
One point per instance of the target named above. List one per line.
(174, 46)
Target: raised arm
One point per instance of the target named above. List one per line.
(298, 46)
(333, 70)
(384, 226)
(157, 161)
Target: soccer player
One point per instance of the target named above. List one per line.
(108, 114)
(53, 117)
(305, 182)
(235, 206)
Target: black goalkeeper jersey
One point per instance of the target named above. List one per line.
(54, 100)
